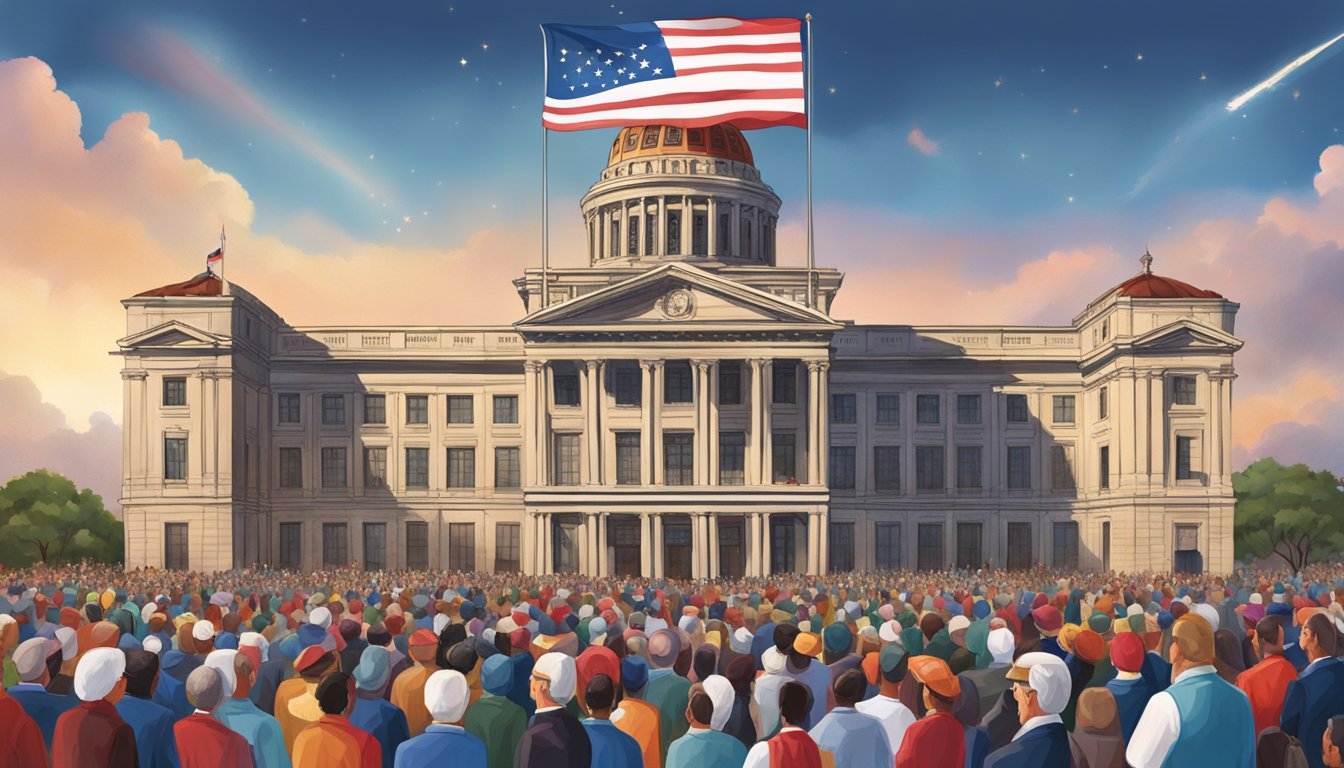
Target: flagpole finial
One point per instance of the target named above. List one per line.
(807, 17)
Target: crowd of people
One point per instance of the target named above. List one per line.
(327, 669)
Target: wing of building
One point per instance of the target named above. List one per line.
(677, 409)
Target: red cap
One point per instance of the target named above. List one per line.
(1127, 652)
(310, 656)
(423, 637)
(1048, 619)
(395, 623)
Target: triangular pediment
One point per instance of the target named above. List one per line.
(173, 334)
(1186, 335)
(676, 297)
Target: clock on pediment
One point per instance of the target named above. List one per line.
(678, 304)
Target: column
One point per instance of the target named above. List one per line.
(824, 536)
(767, 401)
(660, 241)
(656, 424)
(756, 443)
(735, 231)
(528, 545)
(712, 423)
(697, 545)
(547, 551)
(765, 544)
(701, 474)
(685, 224)
(712, 228)
(591, 433)
(591, 539)
(753, 554)
(813, 541)
(824, 428)
(603, 567)
(657, 545)
(645, 546)
(713, 520)
(813, 407)
(646, 422)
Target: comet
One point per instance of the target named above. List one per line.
(1274, 79)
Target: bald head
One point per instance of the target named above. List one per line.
(1193, 635)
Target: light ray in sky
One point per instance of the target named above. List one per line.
(1274, 79)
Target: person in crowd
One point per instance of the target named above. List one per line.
(667, 691)
(791, 747)
(202, 740)
(611, 746)
(1266, 683)
(1130, 688)
(20, 738)
(1318, 692)
(32, 661)
(92, 734)
(992, 680)
(408, 692)
(638, 718)
(741, 672)
(1200, 719)
(237, 712)
(709, 706)
(1332, 743)
(332, 742)
(938, 738)
(1042, 685)
(855, 738)
(296, 704)
(270, 672)
(445, 741)
(372, 713)
(1096, 741)
(887, 669)
(554, 736)
(494, 719)
(151, 723)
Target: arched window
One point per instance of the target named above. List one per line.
(648, 167)
(676, 166)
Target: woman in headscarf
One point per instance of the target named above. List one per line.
(1096, 741)
(1228, 657)
(741, 672)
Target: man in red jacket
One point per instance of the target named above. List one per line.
(92, 734)
(1266, 683)
(791, 747)
(20, 738)
(939, 738)
(203, 741)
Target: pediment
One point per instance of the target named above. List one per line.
(676, 297)
(1186, 335)
(172, 335)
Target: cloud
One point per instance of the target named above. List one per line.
(34, 435)
(922, 143)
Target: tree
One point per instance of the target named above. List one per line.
(43, 517)
(1294, 512)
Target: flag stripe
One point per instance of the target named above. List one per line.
(706, 41)
(718, 59)
(697, 109)
(729, 26)
(794, 67)
(793, 48)
(743, 120)
(686, 98)
(734, 79)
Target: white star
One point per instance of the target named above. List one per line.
(598, 51)
(621, 70)
(657, 70)
(597, 73)
(604, 85)
(642, 46)
(462, 61)
(644, 64)
(564, 77)
(579, 70)
(585, 85)
(571, 87)
(632, 75)
(620, 53)
(589, 62)
(562, 58)
(607, 62)
(564, 51)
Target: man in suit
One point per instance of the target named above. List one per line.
(1318, 693)
(555, 737)
(152, 723)
(92, 734)
(445, 741)
(45, 707)
(1042, 685)
(203, 741)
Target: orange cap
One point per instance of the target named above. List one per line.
(935, 674)
(423, 637)
(807, 643)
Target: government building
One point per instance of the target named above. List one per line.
(680, 407)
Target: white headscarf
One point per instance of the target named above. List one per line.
(222, 660)
(721, 693)
(447, 695)
(560, 671)
(98, 673)
(1050, 678)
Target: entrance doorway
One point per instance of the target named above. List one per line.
(782, 543)
(677, 550)
(565, 545)
(626, 541)
(731, 557)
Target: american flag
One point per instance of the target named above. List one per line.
(691, 73)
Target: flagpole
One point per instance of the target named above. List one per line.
(545, 187)
(221, 256)
(807, 107)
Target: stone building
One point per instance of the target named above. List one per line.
(681, 406)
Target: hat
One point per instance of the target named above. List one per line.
(807, 643)
(1127, 652)
(98, 672)
(559, 671)
(422, 637)
(958, 623)
(1048, 620)
(372, 671)
(890, 656)
(740, 640)
(203, 631)
(837, 638)
(321, 617)
(664, 648)
(1001, 644)
(308, 657)
(1089, 646)
(30, 658)
(447, 695)
(1100, 623)
(1048, 676)
(936, 675)
(634, 673)
(497, 675)
(721, 694)
(222, 661)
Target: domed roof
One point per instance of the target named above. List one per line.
(721, 140)
(1147, 285)
(204, 284)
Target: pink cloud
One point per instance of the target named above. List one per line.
(922, 143)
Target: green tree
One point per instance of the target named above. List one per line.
(43, 517)
(1294, 512)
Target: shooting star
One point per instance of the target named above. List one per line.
(1273, 80)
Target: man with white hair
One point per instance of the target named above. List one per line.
(92, 734)
(705, 744)
(555, 737)
(45, 707)
(241, 716)
(445, 741)
(203, 741)
(1041, 685)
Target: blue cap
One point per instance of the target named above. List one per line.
(1165, 619)
(310, 634)
(634, 673)
(497, 675)
(374, 665)
(980, 609)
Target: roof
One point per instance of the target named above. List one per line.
(1150, 286)
(204, 284)
(722, 140)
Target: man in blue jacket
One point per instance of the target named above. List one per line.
(1318, 692)
(30, 661)
(1041, 685)
(153, 724)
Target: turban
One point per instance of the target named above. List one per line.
(721, 694)
(1127, 652)
(98, 672)
(1089, 646)
(447, 695)
(634, 673)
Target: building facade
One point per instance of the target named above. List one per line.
(681, 407)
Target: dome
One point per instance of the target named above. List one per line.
(1150, 286)
(723, 140)
(204, 284)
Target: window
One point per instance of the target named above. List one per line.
(460, 408)
(417, 467)
(968, 466)
(1063, 409)
(677, 383)
(462, 546)
(375, 546)
(678, 458)
(615, 236)
(842, 409)
(375, 467)
(889, 409)
(1017, 409)
(417, 409)
(507, 547)
(174, 390)
(1066, 546)
(508, 467)
(1106, 546)
(627, 458)
(673, 233)
(1061, 468)
(333, 467)
(732, 458)
(461, 467)
(968, 545)
(567, 459)
(1183, 446)
(375, 409)
(842, 467)
(566, 388)
(930, 546)
(781, 546)
(289, 407)
(291, 545)
(730, 384)
(784, 382)
(417, 546)
(929, 468)
(506, 409)
(1019, 467)
(333, 410)
(175, 546)
(841, 555)
(887, 468)
(629, 385)
(335, 544)
(174, 458)
(887, 542)
(1102, 408)
(744, 238)
(1183, 390)
(968, 409)
(632, 234)
(291, 467)
(698, 234)
(783, 455)
(1019, 546)
(926, 409)
(651, 234)
(1104, 467)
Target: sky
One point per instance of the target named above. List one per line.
(380, 163)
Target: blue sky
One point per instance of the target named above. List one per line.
(1039, 110)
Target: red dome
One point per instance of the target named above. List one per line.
(1150, 286)
(201, 285)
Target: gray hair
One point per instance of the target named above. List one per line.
(205, 688)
